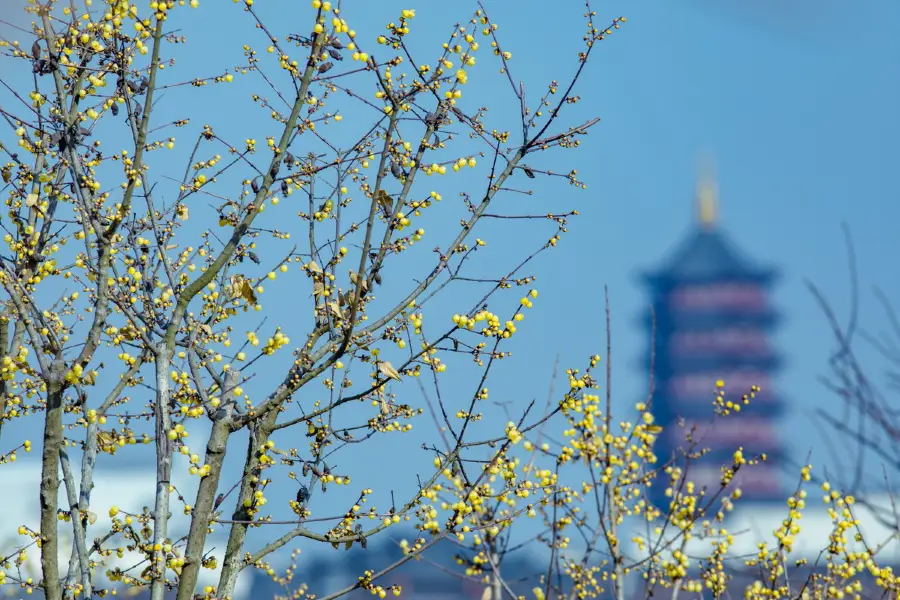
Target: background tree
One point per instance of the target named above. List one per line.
(863, 372)
(135, 292)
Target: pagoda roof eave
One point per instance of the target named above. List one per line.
(663, 278)
(707, 254)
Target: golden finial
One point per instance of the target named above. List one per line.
(707, 196)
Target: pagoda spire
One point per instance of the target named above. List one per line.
(707, 197)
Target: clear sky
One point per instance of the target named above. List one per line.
(797, 103)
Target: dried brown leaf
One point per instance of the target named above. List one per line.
(335, 310)
(248, 292)
(388, 370)
(386, 203)
(354, 278)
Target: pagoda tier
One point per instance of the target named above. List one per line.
(667, 320)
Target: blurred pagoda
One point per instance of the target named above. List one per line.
(713, 320)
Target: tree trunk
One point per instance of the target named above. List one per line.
(4, 348)
(49, 494)
(163, 472)
(203, 507)
(233, 563)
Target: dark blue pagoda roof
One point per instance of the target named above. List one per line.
(707, 254)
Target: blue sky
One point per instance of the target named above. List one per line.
(798, 107)
(798, 113)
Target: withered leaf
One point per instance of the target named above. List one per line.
(388, 370)
(348, 545)
(252, 256)
(314, 266)
(318, 288)
(114, 109)
(528, 172)
(106, 440)
(335, 54)
(248, 292)
(386, 203)
(335, 310)
(241, 288)
(284, 187)
(254, 185)
(354, 278)
(6, 174)
(325, 67)
(35, 50)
